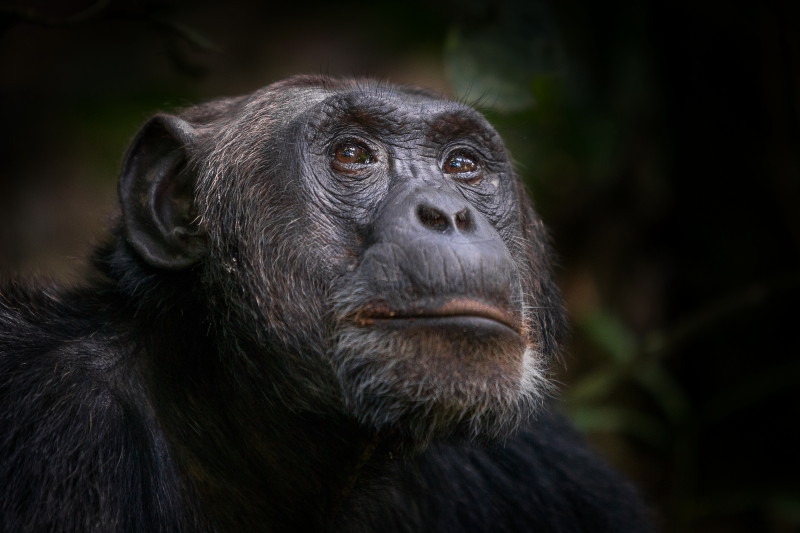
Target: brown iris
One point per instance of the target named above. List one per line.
(351, 153)
(460, 163)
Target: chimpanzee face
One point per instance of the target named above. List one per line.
(380, 237)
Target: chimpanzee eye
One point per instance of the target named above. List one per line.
(460, 162)
(352, 153)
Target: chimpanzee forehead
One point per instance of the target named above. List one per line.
(397, 111)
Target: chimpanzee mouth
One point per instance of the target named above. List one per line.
(461, 312)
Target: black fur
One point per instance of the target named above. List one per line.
(280, 338)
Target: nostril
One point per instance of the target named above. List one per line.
(464, 220)
(432, 218)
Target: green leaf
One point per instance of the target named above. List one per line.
(493, 60)
(611, 335)
(615, 419)
(664, 389)
(592, 386)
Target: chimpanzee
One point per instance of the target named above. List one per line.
(326, 306)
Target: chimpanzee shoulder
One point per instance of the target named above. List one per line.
(79, 446)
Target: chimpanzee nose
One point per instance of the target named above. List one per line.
(435, 215)
(431, 242)
(443, 220)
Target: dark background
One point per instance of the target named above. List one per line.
(660, 141)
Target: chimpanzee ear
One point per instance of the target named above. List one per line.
(156, 192)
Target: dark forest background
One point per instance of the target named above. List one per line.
(660, 141)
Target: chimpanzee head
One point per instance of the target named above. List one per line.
(363, 248)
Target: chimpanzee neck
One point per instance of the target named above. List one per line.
(304, 468)
(232, 443)
(234, 447)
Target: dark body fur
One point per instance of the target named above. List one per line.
(233, 365)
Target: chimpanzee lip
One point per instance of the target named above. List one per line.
(452, 309)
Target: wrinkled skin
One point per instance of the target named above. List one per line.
(327, 306)
(366, 272)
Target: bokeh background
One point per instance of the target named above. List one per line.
(660, 141)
